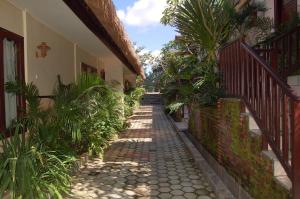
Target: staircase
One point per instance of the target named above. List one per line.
(282, 53)
(152, 99)
(273, 110)
(279, 172)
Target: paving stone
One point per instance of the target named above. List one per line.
(153, 182)
(188, 189)
(147, 161)
(165, 196)
(164, 189)
(153, 187)
(164, 184)
(202, 192)
(174, 182)
(176, 186)
(178, 197)
(130, 193)
(177, 192)
(186, 184)
(190, 195)
(154, 193)
(204, 197)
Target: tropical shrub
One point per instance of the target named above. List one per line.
(199, 22)
(188, 66)
(186, 78)
(93, 112)
(83, 118)
(30, 170)
(132, 99)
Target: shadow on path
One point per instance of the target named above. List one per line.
(147, 161)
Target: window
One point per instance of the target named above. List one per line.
(127, 86)
(102, 74)
(88, 69)
(11, 69)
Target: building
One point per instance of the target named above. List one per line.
(280, 11)
(41, 39)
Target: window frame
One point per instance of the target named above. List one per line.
(20, 71)
(102, 74)
(85, 68)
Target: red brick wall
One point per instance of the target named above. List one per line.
(224, 132)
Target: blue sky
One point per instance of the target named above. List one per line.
(141, 20)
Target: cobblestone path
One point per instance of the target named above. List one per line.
(148, 161)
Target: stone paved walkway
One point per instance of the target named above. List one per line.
(148, 161)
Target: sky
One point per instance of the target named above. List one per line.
(141, 19)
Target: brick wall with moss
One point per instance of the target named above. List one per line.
(224, 132)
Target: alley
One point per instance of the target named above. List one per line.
(147, 161)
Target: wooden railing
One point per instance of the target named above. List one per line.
(282, 53)
(269, 99)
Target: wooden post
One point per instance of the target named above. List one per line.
(274, 57)
(278, 12)
(295, 152)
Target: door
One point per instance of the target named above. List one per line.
(11, 69)
(285, 11)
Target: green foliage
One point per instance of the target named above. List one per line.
(206, 87)
(257, 177)
(186, 78)
(82, 118)
(146, 58)
(205, 26)
(169, 12)
(88, 113)
(188, 66)
(29, 170)
(132, 99)
(199, 22)
(224, 132)
(174, 107)
(246, 18)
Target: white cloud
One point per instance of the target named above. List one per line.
(143, 13)
(156, 53)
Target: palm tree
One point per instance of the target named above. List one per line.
(211, 23)
(206, 23)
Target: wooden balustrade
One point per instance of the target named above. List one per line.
(282, 53)
(269, 99)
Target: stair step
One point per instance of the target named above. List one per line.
(284, 181)
(252, 123)
(278, 171)
(255, 132)
(152, 98)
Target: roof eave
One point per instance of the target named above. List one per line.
(88, 17)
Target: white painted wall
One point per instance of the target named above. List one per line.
(65, 56)
(131, 78)
(114, 70)
(294, 83)
(11, 18)
(84, 57)
(270, 6)
(59, 61)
